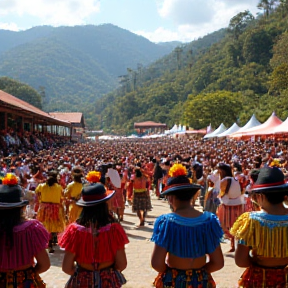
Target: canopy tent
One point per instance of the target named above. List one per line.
(234, 128)
(174, 129)
(218, 131)
(266, 128)
(253, 122)
(282, 128)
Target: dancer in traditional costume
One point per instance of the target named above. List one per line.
(232, 201)
(185, 237)
(51, 210)
(263, 235)
(141, 198)
(21, 240)
(96, 241)
(72, 194)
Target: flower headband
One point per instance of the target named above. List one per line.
(177, 170)
(10, 179)
(93, 176)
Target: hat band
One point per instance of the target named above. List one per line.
(268, 185)
(94, 197)
(175, 185)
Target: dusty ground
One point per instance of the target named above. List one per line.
(139, 273)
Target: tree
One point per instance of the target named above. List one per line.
(267, 6)
(239, 23)
(279, 79)
(257, 47)
(215, 108)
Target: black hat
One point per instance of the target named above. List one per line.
(11, 193)
(179, 182)
(270, 179)
(94, 194)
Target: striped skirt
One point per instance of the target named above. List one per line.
(105, 278)
(228, 215)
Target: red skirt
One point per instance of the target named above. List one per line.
(228, 215)
(258, 277)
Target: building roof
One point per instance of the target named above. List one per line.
(73, 117)
(18, 104)
(149, 124)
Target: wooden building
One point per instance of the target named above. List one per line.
(77, 122)
(150, 127)
(22, 116)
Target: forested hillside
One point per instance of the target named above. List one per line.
(74, 65)
(243, 73)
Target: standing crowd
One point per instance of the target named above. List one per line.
(75, 196)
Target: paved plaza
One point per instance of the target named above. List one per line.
(139, 273)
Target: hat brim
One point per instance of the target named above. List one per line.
(271, 189)
(5, 205)
(83, 203)
(182, 188)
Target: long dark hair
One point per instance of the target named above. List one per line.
(98, 214)
(77, 178)
(52, 178)
(9, 218)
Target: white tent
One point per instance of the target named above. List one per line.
(219, 130)
(253, 122)
(234, 128)
(174, 129)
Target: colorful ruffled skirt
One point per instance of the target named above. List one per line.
(228, 215)
(21, 279)
(258, 277)
(176, 278)
(105, 278)
(52, 217)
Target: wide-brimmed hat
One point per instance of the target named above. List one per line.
(178, 181)
(270, 179)
(11, 193)
(94, 194)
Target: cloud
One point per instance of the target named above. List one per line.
(159, 35)
(187, 11)
(52, 12)
(198, 12)
(9, 26)
(196, 18)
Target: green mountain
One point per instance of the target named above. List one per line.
(74, 65)
(224, 77)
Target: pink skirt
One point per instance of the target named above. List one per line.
(228, 215)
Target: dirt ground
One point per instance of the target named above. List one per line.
(139, 273)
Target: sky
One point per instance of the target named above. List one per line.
(156, 20)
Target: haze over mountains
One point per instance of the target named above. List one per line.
(76, 61)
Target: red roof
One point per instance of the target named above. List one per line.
(73, 117)
(149, 124)
(22, 105)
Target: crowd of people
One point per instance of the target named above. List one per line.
(75, 196)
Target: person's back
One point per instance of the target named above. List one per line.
(95, 241)
(262, 235)
(21, 240)
(185, 237)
